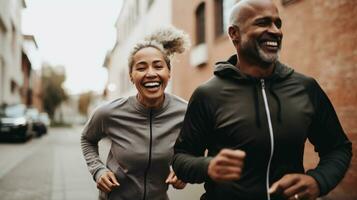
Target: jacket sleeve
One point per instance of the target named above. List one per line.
(92, 133)
(329, 140)
(189, 162)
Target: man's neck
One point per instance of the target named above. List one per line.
(255, 70)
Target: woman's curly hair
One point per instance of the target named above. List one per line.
(168, 40)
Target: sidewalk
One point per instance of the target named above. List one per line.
(71, 178)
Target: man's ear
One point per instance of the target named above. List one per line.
(234, 34)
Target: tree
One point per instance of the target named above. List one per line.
(53, 92)
(83, 103)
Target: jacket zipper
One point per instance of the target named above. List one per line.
(149, 161)
(271, 133)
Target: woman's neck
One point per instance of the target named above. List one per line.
(151, 103)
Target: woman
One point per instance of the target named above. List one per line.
(142, 128)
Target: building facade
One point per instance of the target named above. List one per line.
(31, 90)
(10, 51)
(319, 40)
(206, 22)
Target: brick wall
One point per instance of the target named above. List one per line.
(320, 39)
(186, 77)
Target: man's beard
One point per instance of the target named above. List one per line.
(254, 52)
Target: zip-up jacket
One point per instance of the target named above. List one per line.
(142, 145)
(270, 119)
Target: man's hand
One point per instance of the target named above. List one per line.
(174, 181)
(296, 187)
(227, 165)
(107, 182)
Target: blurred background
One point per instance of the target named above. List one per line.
(59, 59)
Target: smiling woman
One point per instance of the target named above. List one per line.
(143, 128)
(150, 75)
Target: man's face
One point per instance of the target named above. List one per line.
(150, 74)
(261, 35)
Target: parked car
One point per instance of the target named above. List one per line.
(45, 118)
(39, 127)
(14, 124)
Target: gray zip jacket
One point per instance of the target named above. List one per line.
(142, 145)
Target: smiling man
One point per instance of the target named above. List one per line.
(254, 116)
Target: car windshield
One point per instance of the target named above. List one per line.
(15, 110)
(33, 113)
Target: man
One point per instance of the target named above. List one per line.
(253, 118)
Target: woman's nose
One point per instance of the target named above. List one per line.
(151, 72)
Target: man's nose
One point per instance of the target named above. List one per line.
(273, 29)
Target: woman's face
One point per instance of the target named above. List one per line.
(150, 75)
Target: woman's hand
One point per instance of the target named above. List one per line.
(174, 181)
(107, 182)
(296, 187)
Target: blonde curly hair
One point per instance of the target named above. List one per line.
(168, 40)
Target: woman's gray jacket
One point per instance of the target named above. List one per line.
(142, 145)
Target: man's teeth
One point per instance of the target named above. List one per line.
(152, 84)
(271, 43)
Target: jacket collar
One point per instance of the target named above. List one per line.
(142, 109)
(228, 69)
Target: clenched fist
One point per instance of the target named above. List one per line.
(107, 182)
(227, 165)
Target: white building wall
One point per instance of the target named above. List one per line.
(10, 50)
(132, 25)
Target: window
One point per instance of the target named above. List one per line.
(2, 37)
(200, 24)
(218, 12)
(137, 8)
(14, 40)
(286, 2)
(222, 12)
(13, 86)
(2, 26)
(150, 2)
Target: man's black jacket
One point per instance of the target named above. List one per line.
(229, 111)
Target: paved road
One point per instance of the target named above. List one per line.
(52, 168)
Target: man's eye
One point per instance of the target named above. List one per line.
(278, 23)
(263, 23)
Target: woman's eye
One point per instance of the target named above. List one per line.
(159, 66)
(140, 67)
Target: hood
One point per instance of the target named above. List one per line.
(227, 69)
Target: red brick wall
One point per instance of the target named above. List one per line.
(320, 39)
(185, 77)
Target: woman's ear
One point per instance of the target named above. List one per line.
(131, 78)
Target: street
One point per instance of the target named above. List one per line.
(52, 168)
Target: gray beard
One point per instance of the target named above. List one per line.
(254, 51)
(267, 57)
